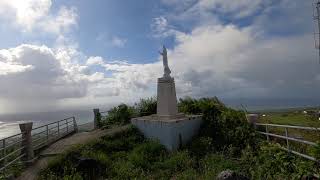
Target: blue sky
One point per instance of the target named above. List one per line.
(82, 54)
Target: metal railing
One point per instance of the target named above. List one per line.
(13, 149)
(287, 137)
(46, 134)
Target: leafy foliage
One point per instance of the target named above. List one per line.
(315, 151)
(146, 107)
(222, 127)
(119, 115)
(147, 153)
(271, 162)
(189, 105)
(226, 141)
(122, 113)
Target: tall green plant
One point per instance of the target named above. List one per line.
(146, 107)
(222, 128)
(189, 105)
(119, 115)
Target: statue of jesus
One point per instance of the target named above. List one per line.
(165, 63)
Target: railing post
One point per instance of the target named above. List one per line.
(252, 119)
(75, 126)
(47, 133)
(288, 147)
(58, 129)
(27, 141)
(67, 126)
(96, 118)
(4, 150)
(267, 131)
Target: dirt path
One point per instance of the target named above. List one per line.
(62, 145)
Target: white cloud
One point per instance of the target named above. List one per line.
(213, 59)
(160, 28)
(238, 9)
(26, 13)
(39, 75)
(61, 22)
(95, 61)
(118, 42)
(228, 62)
(7, 68)
(30, 15)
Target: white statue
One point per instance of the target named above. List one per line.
(165, 63)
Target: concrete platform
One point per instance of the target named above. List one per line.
(172, 131)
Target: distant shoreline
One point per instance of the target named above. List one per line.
(283, 109)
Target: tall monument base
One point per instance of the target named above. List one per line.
(166, 97)
(171, 131)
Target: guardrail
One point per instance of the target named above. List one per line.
(288, 138)
(20, 148)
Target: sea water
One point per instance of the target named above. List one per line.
(9, 123)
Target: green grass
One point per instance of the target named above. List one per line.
(289, 118)
(128, 155)
(225, 141)
(294, 118)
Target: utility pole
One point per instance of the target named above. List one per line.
(316, 17)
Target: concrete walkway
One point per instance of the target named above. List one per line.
(61, 146)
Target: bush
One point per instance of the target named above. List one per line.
(146, 154)
(119, 115)
(315, 151)
(271, 162)
(178, 162)
(121, 141)
(189, 105)
(146, 107)
(123, 113)
(222, 128)
(212, 164)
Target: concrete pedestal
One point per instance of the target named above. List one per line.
(166, 97)
(172, 131)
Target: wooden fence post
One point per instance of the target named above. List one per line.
(96, 120)
(27, 141)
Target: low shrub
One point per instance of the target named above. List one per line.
(212, 164)
(146, 154)
(315, 151)
(222, 127)
(119, 115)
(189, 105)
(271, 162)
(178, 162)
(122, 113)
(146, 107)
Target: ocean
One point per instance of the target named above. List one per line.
(9, 123)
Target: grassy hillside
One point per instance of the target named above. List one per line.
(128, 155)
(225, 141)
(290, 118)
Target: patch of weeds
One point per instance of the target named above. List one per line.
(144, 155)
